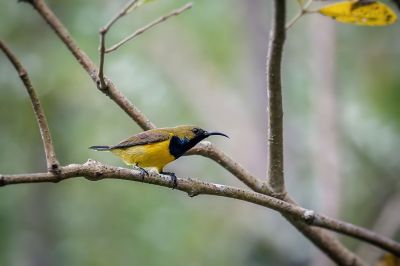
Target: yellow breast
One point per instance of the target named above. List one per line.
(154, 155)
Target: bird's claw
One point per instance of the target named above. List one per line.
(173, 179)
(143, 172)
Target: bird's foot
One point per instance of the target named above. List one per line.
(143, 172)
(173, 178)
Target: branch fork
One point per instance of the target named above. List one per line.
(303, 11)
(102, 83)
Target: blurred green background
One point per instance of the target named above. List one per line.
(205, 67)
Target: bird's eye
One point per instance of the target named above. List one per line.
(195, 130)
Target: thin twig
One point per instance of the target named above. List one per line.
(95, 171)
(275, 114)
(149, 26)
(120, 14)
(302, 12)
(51, 159)
(103, 31)
(102, 84)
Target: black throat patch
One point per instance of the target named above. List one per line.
(178, 146)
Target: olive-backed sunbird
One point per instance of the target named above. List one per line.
(156, 148)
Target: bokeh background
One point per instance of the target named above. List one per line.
(341, 87)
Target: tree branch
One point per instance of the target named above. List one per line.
(149, 26)
(51, 159)
(102, 84)
(275, 174)
(327, 243)
(386, 223)
(275, 114)
(95, 171)
(324, 241)
(354, 231)
(89, 65)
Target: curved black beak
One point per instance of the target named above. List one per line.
(207, 134)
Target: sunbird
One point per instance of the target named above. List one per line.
(155, 148)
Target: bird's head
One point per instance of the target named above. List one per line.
(194, 133)
(186, 137)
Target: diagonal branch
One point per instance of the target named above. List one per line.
(275, 113)
(51, 159)
(120, 14)
(89, 65)
(95, 171)
(149, 26)
(326, 243)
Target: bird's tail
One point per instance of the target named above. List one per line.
(100, 148)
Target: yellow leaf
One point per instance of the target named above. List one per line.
(388, 259)
(367, 13)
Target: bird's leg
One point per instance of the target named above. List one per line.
(143, 172)
(173, 178)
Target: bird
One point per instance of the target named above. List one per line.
(155, 148)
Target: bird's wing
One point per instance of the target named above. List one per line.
(143, 138)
